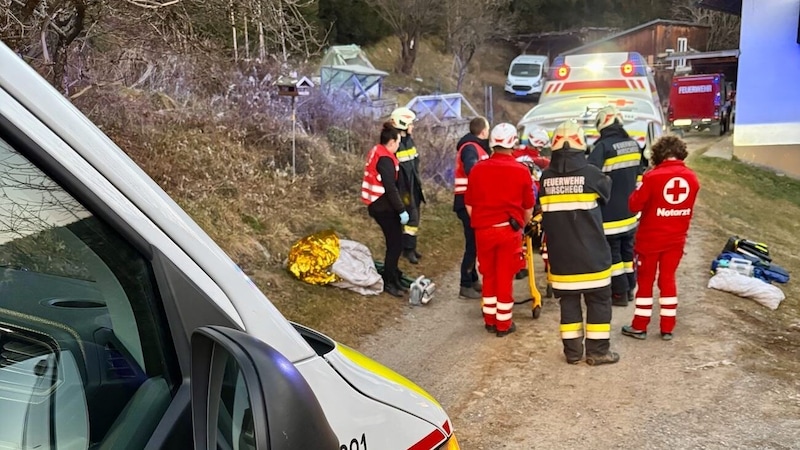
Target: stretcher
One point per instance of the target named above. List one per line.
(532, 231)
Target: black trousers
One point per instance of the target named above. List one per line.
(622, 252)
(469, 274)
(412, 227)
(598, 317)
(393, 236)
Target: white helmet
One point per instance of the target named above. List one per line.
(537, 137)
(503, 135)
(606, 116)
(569, 133)
(402, 117)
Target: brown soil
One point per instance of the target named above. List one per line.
(727, 380)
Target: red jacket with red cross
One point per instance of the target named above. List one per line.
(666, 199)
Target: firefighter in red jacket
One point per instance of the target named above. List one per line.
(471, 149)
(380, 193)
(666, 199)
(500, 202)
(572, 191)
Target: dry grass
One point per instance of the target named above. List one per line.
(742, 200)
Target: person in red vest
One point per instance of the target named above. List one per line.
(380, 193)
(499, 202)
(535, 147)
(665, 197)
(471, 149)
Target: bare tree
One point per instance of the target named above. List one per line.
(410, 20)
(724, 33)
(469, 24)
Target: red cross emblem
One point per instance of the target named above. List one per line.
(676, 190)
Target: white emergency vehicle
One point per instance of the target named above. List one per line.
(579, 85)
(124, 326)
(527, 75)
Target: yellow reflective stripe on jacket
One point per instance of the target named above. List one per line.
(622, 162)
(569, 202)
(407, 154)
(581, 281)
(617, 269)
(620, 226)
(571, 330)
(627, 266)
(598, 331)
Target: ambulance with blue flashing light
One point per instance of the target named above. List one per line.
(579, 85)
(124, 325)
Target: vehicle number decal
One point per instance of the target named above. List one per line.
(355, 444)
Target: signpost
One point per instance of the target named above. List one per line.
(294, 87)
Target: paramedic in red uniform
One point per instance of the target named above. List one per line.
(471, 149)
(572, 191)
(619, 157)
(380, 193)
(666, 200)
(500, 202)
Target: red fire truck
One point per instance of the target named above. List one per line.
(699, 102)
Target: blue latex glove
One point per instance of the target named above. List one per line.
(403, 218)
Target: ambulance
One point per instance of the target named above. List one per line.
(579, 85)
(124, 326)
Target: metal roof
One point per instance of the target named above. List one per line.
(702, 55)
(632, 30)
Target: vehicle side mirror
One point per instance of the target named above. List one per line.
(247, 395)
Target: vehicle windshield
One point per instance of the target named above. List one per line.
(526, 69)
(586, 107)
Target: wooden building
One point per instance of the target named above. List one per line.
(651, 39)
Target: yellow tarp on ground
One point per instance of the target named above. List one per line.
(311, 258)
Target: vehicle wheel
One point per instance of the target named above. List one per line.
(537, 312)
(549, 291)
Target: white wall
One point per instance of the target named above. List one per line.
(768, 85)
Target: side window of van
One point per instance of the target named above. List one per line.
(85, 354)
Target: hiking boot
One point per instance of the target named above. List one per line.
(666, 336)
(597, 360)
(468, 292)
(619, 300)
(392, 290)
(417, 254)
(573, 361)
(411, 256)
(490, 328)
(510, 330)
(631, 296)
(628, 330)
(477, 285)
(522, 274)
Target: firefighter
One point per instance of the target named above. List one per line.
(499, 202)
(380, 193)
(571, 193)
(471, 149)
(619, 157)
(666, 199)
(410, 181)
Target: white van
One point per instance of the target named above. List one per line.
(124, 326)
(526, 75)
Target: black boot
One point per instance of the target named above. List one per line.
(392, 289)
(411, 256)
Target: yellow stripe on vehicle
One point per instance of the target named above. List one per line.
(377, 368)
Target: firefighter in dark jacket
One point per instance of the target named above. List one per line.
(619, 157)
(410, 181)
(471, 149)
(379, 192)
(571, 193)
